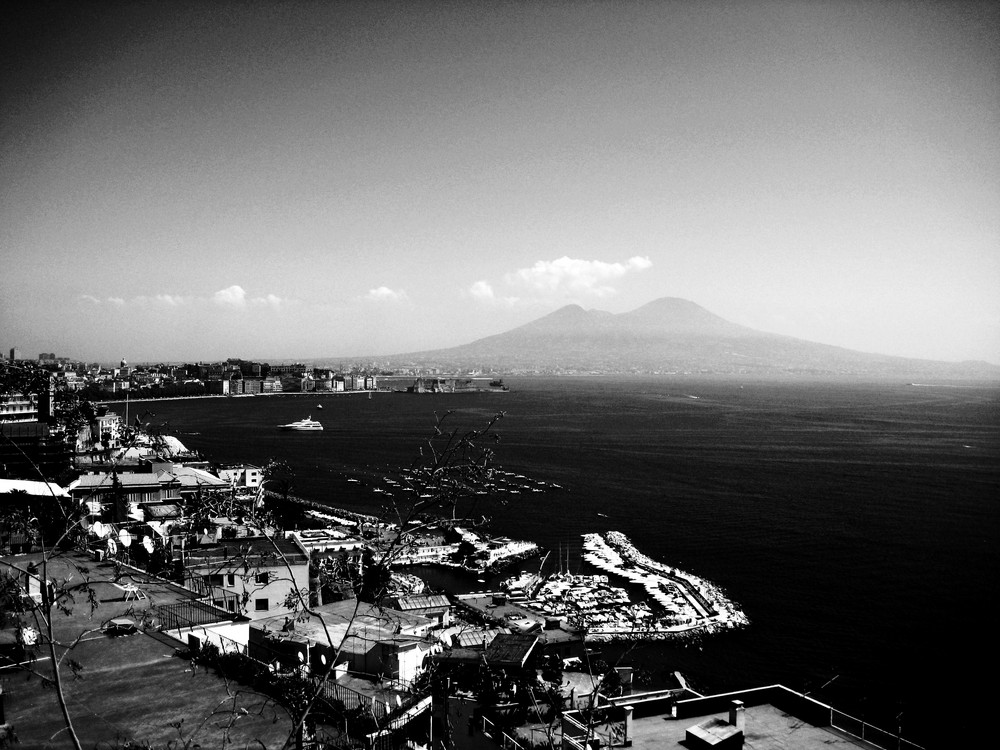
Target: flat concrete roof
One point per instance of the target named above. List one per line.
(767, 728)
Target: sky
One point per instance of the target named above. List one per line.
(185, 181)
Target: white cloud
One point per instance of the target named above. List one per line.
(385, 294)
(92, 300)
(271, 300)
(482, 291)
(169, 300)
(232, 296)
(575, 276)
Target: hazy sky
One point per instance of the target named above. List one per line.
(184, 181)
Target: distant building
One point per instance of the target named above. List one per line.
(193, 480)
(330, 543)
(242, 476)
(298, 369)
(436, 607)
(253, 386)
(218, 386)
(29, 447)
(119, 497)
(18, 407)
(101, 434)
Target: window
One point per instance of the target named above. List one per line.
(231, 579)
(214, 580)
(260, 605)
(262, 578)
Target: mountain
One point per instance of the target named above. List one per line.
(670, 335)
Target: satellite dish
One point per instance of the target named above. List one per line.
(124, 537)
(112, 547)
(99, 530)
(148, 544)
(85, 523)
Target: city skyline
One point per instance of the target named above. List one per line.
(192, 181)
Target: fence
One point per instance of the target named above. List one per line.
(605, 729)
(499, 736)
(870, 733)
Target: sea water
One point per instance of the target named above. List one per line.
(856, 524)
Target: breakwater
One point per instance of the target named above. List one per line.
(684, 602)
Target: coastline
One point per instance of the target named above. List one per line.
(314, 394)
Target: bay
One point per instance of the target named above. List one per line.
(855, 523)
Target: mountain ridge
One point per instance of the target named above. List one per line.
(669, 335)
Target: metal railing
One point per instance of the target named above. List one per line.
(869, 732)
(606, 728)
(499, 736)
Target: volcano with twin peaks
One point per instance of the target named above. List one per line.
(671, 335)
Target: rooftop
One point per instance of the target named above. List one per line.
(475, 638)
(422, 601)
(371, 624)
(190, 477)
(767, 728)
(517, 617)
(510, 649)
(774, 718)
(125, 479)
(260, 549)
(38, 489)
(130, 686)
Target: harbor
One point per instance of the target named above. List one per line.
(673, 603)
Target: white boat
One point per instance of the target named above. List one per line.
(307, 425)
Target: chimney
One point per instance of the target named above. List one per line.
(737, 716)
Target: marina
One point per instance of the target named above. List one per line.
(675, 603)
(684, 601)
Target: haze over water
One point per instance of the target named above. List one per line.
(854, 523)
